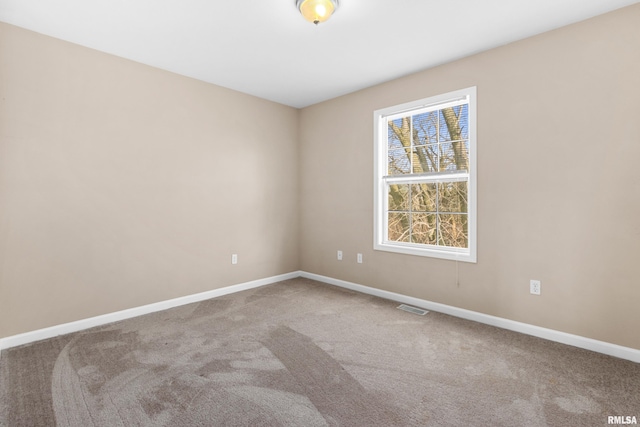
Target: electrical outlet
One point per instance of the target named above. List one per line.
(339, 255)
(534, 287)
(234, 259)
(359, 258)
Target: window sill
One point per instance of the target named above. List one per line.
(463, 255)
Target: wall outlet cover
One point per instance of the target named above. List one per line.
(534, 287)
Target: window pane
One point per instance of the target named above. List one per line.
(453, 196)
(425, 128)
(454, 156)
(399, 161)
(453, 230)
(425, 158)
(423, 197)
(399, 133)
(399, 197)
(398, 227)
(462, 156)
(423, 229)
(454, 123)
(464, 121)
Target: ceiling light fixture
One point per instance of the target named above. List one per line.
(317, 11)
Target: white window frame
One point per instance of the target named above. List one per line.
(380, 119)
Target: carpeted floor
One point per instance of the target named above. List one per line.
(302, 353)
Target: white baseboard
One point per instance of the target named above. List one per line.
(524, 328)
(79, 325)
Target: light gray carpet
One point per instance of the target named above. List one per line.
(302, 353)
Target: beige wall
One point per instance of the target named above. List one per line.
(122, 185)
(558, 185)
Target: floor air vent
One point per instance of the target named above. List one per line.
(413, 310)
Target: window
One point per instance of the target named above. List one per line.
(425, 177)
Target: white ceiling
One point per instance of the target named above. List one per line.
(265, 48)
